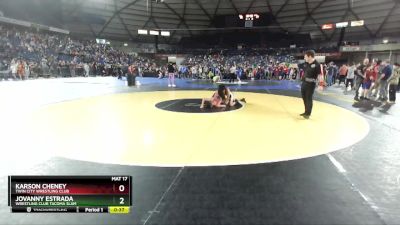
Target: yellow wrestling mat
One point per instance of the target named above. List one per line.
(128, 129)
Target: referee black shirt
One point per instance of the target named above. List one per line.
(311, 71)
(171, 68)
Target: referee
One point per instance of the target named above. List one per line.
(311, 71)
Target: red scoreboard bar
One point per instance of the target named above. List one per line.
(69, 194)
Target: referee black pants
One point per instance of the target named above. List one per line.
(359, 82)
(232, 77)
(307, 92)
(392, 92)
(398, 86)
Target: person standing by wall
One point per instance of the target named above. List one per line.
(375, 85)
(361, 76)
(14, 68)
(342, 73)
(350, 75)
(194, 72)
(87, 69)
(393, 82)
(232, 73)
(27, 70)
(21, 70)
(171, 75)
(385, 75)
(332, 70)
(132, 73)
(72, 67)
(371, 73)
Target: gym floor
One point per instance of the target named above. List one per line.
(258, 163)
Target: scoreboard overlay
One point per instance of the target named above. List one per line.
(69, 194)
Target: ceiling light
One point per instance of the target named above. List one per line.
(154, 32)
(165, 33)
(142, 32)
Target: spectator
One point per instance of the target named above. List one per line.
(21, 70)
(14, 68)
(370, 75)
(342, 73)
(87, 69)
(393, 82)
(385, 75)
(350, 75)
(332, 71)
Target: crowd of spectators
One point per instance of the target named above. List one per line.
(25, 53)
(249, 65)
(373, 79)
